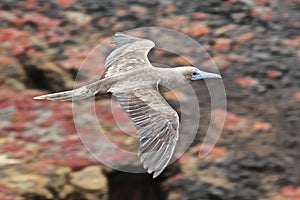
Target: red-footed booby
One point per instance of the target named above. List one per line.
(138, 86)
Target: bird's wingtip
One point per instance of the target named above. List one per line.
(155, 174)
(38, 97)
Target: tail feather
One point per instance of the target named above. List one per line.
(77, 94)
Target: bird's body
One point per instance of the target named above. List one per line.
(165, 78)
(138, 85)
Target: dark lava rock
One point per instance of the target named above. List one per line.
(201, 6)
(239, 6)
(270, 85)
(203, 165)
(60, 57)
(233, 176)
(214, 23)
(69, 41)
(217, 193)
(260, 89)
(244, 194)
(250, 182)
(254, 163)
(297, 74)
(284, 181)
(54, 44)
(282, 68)
(237, 175)
(97, 6)
(213, 7)
(198, 191)
(246, 189)
(276, 66)
(276, 164)
(192, 189)
(262, 55)
(37, 47)
(286, 82)
(290, 143)
(39, 71)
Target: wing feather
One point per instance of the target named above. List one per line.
(157, 126)
(131, 53)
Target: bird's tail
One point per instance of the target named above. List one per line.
(77, 94)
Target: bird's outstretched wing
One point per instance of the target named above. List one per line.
(131, 53)
(157, 126)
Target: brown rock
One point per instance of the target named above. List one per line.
(65, 191)
(47, 75)
(27, 183)
(90, 179)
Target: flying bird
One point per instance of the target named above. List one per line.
(138, 86)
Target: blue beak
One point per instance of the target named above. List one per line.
(204, 75)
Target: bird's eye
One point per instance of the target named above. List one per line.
(194, 74)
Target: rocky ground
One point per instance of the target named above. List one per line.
(256, 45)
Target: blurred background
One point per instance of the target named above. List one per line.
(256, 45)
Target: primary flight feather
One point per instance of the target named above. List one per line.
(138, 85)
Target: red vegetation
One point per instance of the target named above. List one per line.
(76, 162)
(44, 23)
(213, 152)
(292, 42)
(245, 37)
(182, 159)
(170, 8)
(262, 126)
(246, 82)
(226, 28)
(274, 74)
(200, 15)
(7, 193)
(289, 192)
(296, 96)
(176, 177)
(13, 40)
(198, 29)
(232, 122)
(42, 166)
(65, 3)
(139, 9)
(17, 150)
(222, 44)
(34, 5)
(4, 61)
(221, 61)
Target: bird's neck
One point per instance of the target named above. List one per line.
(171, 78)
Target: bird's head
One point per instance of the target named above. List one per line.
(193, 73)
